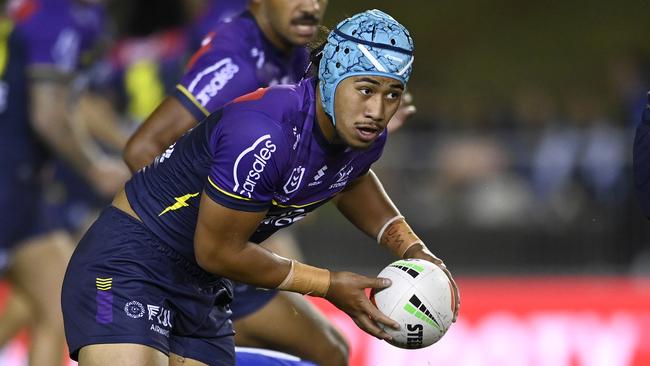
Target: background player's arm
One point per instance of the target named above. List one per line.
(49, 93)
(365, 203)
(221, 246)
(165, 125)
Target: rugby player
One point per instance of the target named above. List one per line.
(261, 47)
(148, 282)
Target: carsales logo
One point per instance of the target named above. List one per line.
(260, 152)
(221, 72)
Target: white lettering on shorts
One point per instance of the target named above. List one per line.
(252, 176)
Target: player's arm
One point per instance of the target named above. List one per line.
(221, 246)
(166, 124)
(193, 99)
(365, 203)
(49, 92)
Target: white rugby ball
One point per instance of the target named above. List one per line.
(420, 299)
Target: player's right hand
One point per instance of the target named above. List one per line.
(108, 175)
(347, 292)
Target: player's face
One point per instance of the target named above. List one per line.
(363, 105)
(295, 22)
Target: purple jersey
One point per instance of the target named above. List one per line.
(235, 60)
(56, 32)
(264, 151)
(212, 13)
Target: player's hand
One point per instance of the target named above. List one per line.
(421, 252)
(108, 175)
(347, 293)
(406, 109)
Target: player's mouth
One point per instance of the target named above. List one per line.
(368, 133)
(305, 26)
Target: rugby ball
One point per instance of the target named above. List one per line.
(420, 299)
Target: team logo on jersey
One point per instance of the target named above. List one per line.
(319, 174)
(180, 203)
(134, 309)
(221, 72)
(342, 176)
(294, 181)
(261, 151)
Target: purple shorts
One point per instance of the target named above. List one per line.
(123, 285)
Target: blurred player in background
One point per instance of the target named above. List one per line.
(148, 283)
(41, 46)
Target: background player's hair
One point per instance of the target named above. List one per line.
(368, 43)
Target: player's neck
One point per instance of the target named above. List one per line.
(269, 33)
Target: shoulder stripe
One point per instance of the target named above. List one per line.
(191, 98)
(227, 193)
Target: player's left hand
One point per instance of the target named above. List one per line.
(421, 252)
(405, 111)
(347, 292)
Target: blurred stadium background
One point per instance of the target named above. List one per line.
(516, 171)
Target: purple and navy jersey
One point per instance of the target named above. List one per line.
(236, 59)
(213, 12)
(20, 151)
(263, 151)
(42, 33)
(56, 32)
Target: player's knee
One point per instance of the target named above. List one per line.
(335, 352)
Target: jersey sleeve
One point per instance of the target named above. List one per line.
(56, 49)
(249, 155)
(214, 79)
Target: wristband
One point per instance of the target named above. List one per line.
(306, 280)
(398, 236)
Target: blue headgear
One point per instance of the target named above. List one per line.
(369, 43)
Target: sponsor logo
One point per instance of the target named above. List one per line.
(342, 176)
(134, 309)
(152, 310)
(221, 72)
(319, 174)
(286, 218)
(158, 329)
(167, 154)
(162, 316)
(180, 203)
(414, 335)
(261, 157)
(294, 180)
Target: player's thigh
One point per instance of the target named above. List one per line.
(176, 360)
(297, 327)
(121, 354)
(39, 266)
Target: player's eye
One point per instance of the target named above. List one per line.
(394, 95)
(365, 91)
